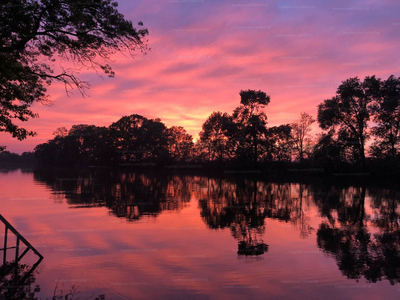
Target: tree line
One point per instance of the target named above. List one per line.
(241, 137)
(361, 112)
(360, 123)
(244, 137)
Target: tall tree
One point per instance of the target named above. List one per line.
(387, 118)
(215, 135)
(35, 34)
(95, 144)
(279, 144)
(137, 138)
(60, 132)
(300, 133)
(251, 121)
(350, 110)
(59, 151)
(180, 143)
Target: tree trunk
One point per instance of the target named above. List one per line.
(255, 149)
(362, 153)
(301, 152)
(392, 144)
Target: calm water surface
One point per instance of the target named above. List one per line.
(130, 235)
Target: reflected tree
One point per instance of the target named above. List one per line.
(299, 218)
(237, 208)
(244, 205)
(359, 251)
(18, 282)
(128, 195)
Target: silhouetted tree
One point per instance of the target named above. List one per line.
(300, 133)
(7, 157)
(94, 144)
(350, 110)
(251, 123)
(132, 139)
(328, 151)
(244, 137)
(387, 118)
(180, 143)
(200, 151)
(278, 143)
(61, 132)
(60, 150)
(34, 34)
(84, 144)
(215, 136)
(137, 138)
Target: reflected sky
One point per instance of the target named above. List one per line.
(127, 234)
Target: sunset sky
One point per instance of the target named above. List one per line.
(204, 52)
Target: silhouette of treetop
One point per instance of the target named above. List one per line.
(252, 97)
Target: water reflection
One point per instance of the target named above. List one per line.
(355, 225)
(127, 195)
(236, 206)
(364, 245)
(243, 207)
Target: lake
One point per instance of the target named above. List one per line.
(155, 235)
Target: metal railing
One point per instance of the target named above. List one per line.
(19, 239)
